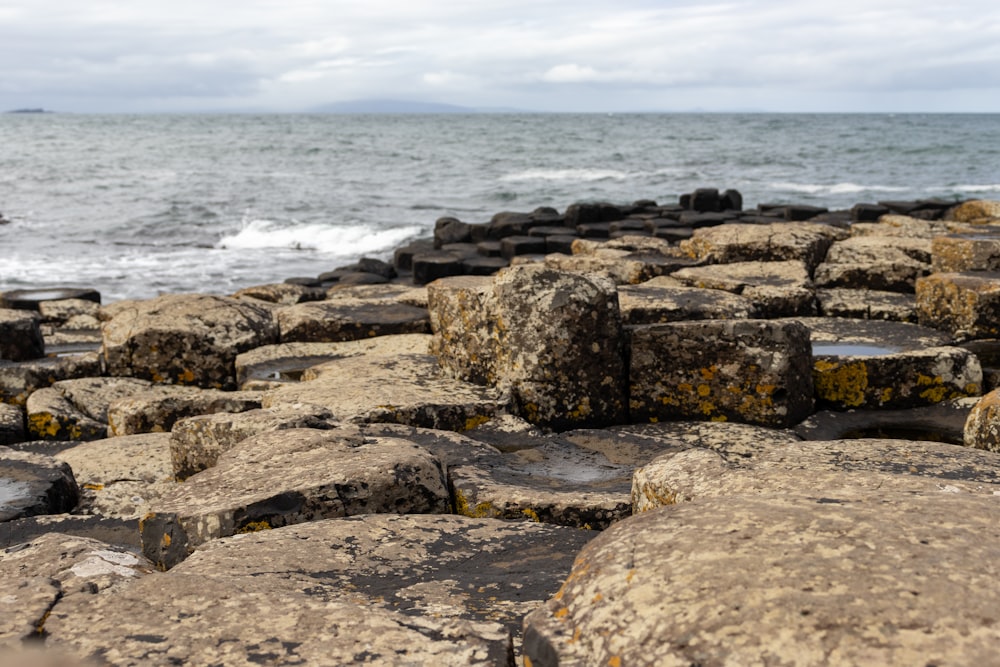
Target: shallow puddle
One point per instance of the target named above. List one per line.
(851, 349)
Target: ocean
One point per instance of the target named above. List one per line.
(139, 205)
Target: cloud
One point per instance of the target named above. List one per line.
(546, 54)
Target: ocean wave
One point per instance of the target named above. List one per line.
(835, 188)
(345, 240)
(978, 188)
(578, 175)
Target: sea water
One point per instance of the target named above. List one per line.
(137, 205)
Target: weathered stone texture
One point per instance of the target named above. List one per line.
(11, 424)
(185, 338)
(32, 484)
(802, 580)
(955, 253)
(20, 335)
(982, 428)
(157, 410)
(754, 371)
(666, 300)
(333, 321)
(19, 380)
(964, 304)
(977, 210)
(805, 242)
(325, 474)
(776, 289)
(867, 304)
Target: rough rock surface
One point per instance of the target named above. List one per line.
(982, 428)
(805, 242)
(11, 424)
(157, 410)
(977, 210)
(867, 304)
(755, 371)
(32, 484)
(965, 304)
(776, 289)
(404, 389)
(876, 263)
(665, 300)
(20, 335)
(19, 380)
(325, 474)
(966, 252)
(804, 580)
(185, 338)
(78, 409)
(331, 321)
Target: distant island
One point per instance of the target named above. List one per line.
(400, 106)
(36, 110)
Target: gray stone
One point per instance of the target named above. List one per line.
(282, 293)
(197, 442)
(115, 531)
(404, 389)
(65, 311)
(77, 409)
(32, 484)
(323, 474)
(965, 304)
(157, 410)
(185, 338)
(967, 252)
(754, 371)
(390, 293)
(982, 428)
(804, 580)
(11, 424)
(867, 304)
(332, 321)
(781, 242)
(20, 335)
(839, 469)
(665, 300)
(20, 380)
(937, 422)
(776, 289)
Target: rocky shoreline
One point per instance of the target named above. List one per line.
(682, 434)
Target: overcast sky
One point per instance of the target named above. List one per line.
(546, 55)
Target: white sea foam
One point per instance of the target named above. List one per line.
(340, 240)
(834, 188)
(578, 175)
(978, 188)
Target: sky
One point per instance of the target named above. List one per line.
(533, 55)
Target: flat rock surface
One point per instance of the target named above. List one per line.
(664, 300)
(743, 580)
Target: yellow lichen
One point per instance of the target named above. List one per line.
(254, 527)
(615, 661)
(704, 390)
(93, 487)
(186, 377)
(480, 511)
(531, 514)
(473, 422)
(43, 424)
(843, 383)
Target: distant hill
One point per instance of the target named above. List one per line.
(35, 110)
(391, 106)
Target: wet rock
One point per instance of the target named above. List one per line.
(157, 410)
(325, 474)
(966, 252)
(876, 263)
(860, 583)
(327, 321)
(36, 576)
(780, 242)
(667, 300)
(867, 212)
(11, 424)
(404, 389)
(32, 484)
(976, 211)
(982, 428)
(71, 342)
(938, 422)
(429, 266)
(965, 304)
(755, 371)
(849, 469)
(119, 477)
(270, 366)
(867, 304)
(31, 299)
(20, 335)
(20, 380)
(776, 289)
(889, 365)
(451, 230)
(186, 338)
(283, 293)
(78, 409)
(197, 442)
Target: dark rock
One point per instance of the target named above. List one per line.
(28, 299)
(732, 200)
(484, 266)
(20, 335)
(332, 321)
(868, 212)
(11, 424)
(587, 213)
(428, 266)
(451, 230)
(32, 484)
(706, 200)
(403, 257)
(512, 246)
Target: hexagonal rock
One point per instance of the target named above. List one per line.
(905, 226)
(846, 469)
(185, 338)
(194, 619)
(283, 293)
(874, 364)
(324, 474)
(964, 304)
(32, 484)
(120, 476)
(445, 566)
(666, 300)
(20, 380)
(800, 241)
(719, 581)
(196, 443)
(955, 253)
(776, 289)
(875, 263)
(157, 410)
(552, 337)
(20, 335)
(270, 366)
(325, 321)
(623, 266)
(402, 389)
(77, 409)
(753, 371)
(976, 210)
(35, 576)
(867, 304)
(982, 428)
